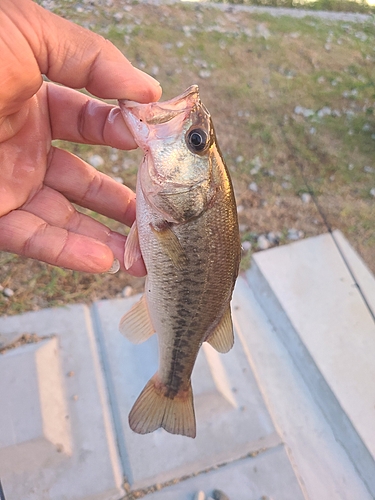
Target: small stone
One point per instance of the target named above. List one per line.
(300, 110)
(286, 185)
(240, 209)
(117, 16)
(75, 397)
(127, 291)
(118, 179)
(326, 111)
(372, 192)
(199, 495)
(350, 166)
(8, 292)
(246, 246)
(312, 130)
(239, 159)
(253, 186)
(219, 495)
(96, 161)
(205, 73)
(295, 234)
(262, 242)
(369, 170)
(70, 374)
(113, 156)
(179, 44)
(306, 197)
(273, 237)
(155, 70)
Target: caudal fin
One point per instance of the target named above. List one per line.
(153, 409)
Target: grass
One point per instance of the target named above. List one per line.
(253, 71)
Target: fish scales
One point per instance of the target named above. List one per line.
(188, 237)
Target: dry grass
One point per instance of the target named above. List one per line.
(253, 70)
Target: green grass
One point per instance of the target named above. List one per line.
(259, 69)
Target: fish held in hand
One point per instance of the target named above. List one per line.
(186, 229)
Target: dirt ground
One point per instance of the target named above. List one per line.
(293, 104)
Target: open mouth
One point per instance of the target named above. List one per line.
(156, 113)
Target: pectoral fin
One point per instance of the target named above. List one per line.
(171, 244)
(222, 338)
(132, 249)
(136, 325)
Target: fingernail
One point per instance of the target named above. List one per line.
(115, 267)
(120, 130)
(150, 79)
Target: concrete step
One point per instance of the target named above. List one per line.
(232, 419)
(327, 325)
(286, 414)
(56, 435)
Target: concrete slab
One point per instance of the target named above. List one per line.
(314, 305)
(232, 419)
(319, 460)
(267, 476)
(31, 385)
(56, 434)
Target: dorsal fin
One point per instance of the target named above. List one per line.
(222, 338)
(136, 324)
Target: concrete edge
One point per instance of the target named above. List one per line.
(342, 427)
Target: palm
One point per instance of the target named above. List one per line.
(39, 183)
(24, 157)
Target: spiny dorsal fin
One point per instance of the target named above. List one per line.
(222, 338)
(136, 325)
(153, 409)
(170, 244)
(132, 251)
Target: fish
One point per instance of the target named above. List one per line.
(186, 230)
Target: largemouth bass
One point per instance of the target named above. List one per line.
(186, 229)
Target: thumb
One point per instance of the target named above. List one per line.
(69, 54)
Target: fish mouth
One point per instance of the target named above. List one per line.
(157, 113)
(160, 120)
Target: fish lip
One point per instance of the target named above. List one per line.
(156, 113)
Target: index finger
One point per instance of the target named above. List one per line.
(76, 57)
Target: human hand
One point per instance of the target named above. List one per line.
(38, 182)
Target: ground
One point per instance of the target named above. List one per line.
(292, 101)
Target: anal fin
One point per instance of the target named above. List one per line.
(153, 409)
(222, 338)
(136, 324)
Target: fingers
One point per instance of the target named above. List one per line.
(26, 234)
(76, 57)
(77, 117)
(87, 187)
(55, 210)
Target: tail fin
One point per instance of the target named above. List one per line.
(153, 409)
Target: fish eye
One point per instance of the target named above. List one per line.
(197, 140)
